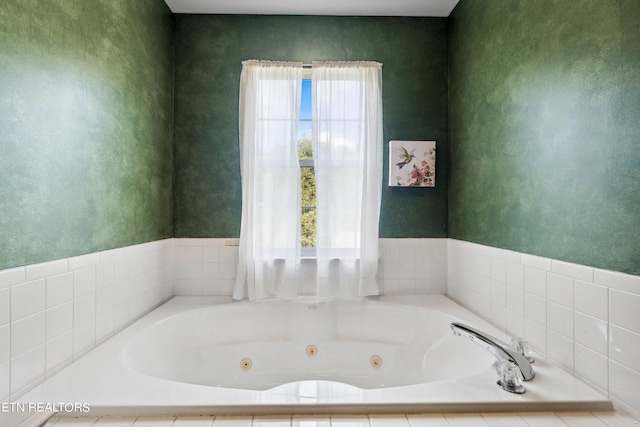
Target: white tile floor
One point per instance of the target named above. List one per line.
(528, 419)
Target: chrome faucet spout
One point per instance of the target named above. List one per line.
(501, 350)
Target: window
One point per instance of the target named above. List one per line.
(329, 174)
(307, 174)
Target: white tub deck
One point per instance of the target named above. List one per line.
(103, 379)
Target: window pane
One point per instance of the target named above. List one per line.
(305, 104)
(305, 149)
(309, 227)
(305, 124)
(308, 182)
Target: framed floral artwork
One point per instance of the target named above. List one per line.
(412, 163)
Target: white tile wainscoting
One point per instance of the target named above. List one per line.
(407, 266)
(585, 319)
(54, 312)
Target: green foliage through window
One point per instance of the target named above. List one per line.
(308, 182)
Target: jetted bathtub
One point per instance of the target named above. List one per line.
(198, 355)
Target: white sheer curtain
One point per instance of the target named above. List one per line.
(347, 137)
(269, 252)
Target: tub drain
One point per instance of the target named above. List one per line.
(376, 361)
(312, 350)
(245, 364)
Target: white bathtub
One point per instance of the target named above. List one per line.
(195, 355)
(258, 346)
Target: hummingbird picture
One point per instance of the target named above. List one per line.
(420, 156)
(406, 157)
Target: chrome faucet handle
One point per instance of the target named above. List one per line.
(522, 346)
(510, 377)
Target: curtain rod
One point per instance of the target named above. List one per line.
(370, 62)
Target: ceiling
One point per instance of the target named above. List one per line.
(317, 7)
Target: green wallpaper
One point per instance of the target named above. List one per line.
(544, 122)
(85, 126)
(540, 99)
(208, 54)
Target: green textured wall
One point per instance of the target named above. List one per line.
(85, 126)
(544, 119)
(208, 54)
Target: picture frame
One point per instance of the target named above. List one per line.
(412, 163)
